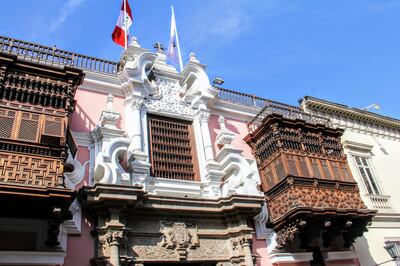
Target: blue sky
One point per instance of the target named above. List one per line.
(339, 50)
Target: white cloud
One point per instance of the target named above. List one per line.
(224, 20)
(66, 10)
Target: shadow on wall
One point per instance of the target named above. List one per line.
(363, 251)
(80, 120)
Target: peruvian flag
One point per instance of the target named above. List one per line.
(120, 33)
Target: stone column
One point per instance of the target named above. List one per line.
(248, 257)
(205, 132)
(113, 240)
(136, 129)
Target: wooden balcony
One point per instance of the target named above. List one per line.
(309, 189)
(36, 101)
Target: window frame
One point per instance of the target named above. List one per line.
(192, 141)
(366, 173)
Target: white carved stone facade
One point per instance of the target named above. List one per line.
(213, 210)
(188, 96)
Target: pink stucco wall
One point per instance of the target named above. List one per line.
(88, 108)
(236, 126)
(80, 248)
(83, 156)
(260, 249)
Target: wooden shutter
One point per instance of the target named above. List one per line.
(53, 126)
(7, 118)
(29, 127)
(172, 148)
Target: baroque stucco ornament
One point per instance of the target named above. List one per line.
(168, 99)
(177, 236)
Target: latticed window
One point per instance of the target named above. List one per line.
(31, 127)
(367, 175)
(172, 148)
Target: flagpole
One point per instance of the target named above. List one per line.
(125, 26)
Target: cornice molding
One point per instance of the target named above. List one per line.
(354, 119)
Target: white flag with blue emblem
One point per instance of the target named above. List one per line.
(174, 52)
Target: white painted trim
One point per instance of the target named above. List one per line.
(177, 188)
(392, 239)
(73, 226)
(82, 138)
(32, 257)
(351, 145)
(260, 220)
(290, 257)
(340, 255)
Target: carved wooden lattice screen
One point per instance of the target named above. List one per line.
(26, 126)
(172, 148)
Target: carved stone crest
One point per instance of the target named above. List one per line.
(179, 237)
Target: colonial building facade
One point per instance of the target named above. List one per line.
(372, 145)
(133, 163)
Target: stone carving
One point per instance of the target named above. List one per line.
(203, 116)
(137, 103)
(109, 117)
(112, 238)
(168, 99)
(225, 136)
(288, 233)
(210, 249)
(180, 238)
(149, 249)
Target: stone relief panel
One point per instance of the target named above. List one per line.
(156, 249)
(177, 241)
(150, 249)
(167, 99)
(217, 249)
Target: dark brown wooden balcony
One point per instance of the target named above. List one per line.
(36, 101)
(308, 186)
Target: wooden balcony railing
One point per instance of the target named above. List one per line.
(38, 53)
(287, 111)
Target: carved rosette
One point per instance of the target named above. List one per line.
(180, 238)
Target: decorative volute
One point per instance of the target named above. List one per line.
(196, 85)
(240, 174)
(138, 66)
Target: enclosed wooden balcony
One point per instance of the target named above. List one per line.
(36, 101)
(308, 186)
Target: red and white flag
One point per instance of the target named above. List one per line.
(121, 30)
